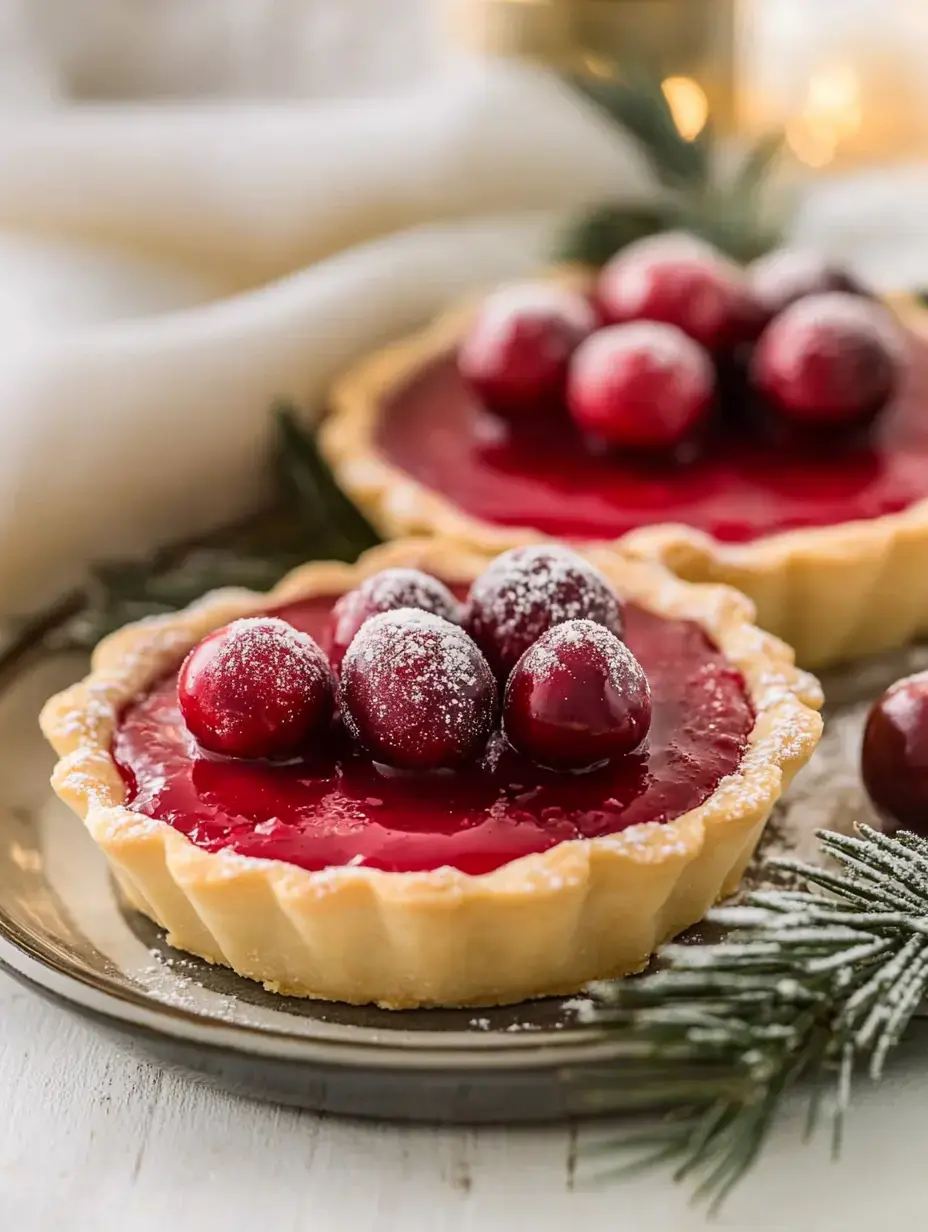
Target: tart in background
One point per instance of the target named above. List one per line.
(809, 493)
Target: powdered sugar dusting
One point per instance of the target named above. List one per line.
(788, 273)
(542, 300)
(392, 589)
(260, 661)
(546, 656)
(670, 246)
(526, 591)
(414, 676)
(296, 660)
(257, 635)
(855, 313)
(628, 278)
(666, 348)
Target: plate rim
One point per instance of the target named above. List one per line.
(122, 1007)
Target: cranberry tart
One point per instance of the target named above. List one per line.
(764, 428)
(432, 778)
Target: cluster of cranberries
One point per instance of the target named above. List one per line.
(420, 681)
(638, 363)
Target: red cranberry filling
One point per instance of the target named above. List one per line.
(340, 808)
(386, 591)
(416, 693)
(525, 592)
(576, 698)
(829, 359)
(256, 688)
(436, 431)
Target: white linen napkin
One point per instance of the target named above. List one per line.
(166, 272)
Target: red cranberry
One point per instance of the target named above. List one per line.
(641, 386)
(516, 353)
(416, 692)
(828, 360)
(788, 274)
(682, 284)
(577, 698)
(256, 688)
(385, 592)
(527, 591)
(894, 757)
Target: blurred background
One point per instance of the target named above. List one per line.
(206, 205)
(846, 74)
(843, 78)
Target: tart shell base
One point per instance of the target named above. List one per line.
(540, 925)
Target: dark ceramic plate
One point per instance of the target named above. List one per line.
(64, 932)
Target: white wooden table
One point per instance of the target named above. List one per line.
(92, 1138)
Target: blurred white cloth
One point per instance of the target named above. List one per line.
(166, 273)
(216, 48)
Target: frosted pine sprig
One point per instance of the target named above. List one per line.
(809, 986)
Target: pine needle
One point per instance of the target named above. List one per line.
(729, 212)
(806, 988)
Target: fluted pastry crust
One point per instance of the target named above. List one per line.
(542, 924)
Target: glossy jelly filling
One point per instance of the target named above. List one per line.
(738, 488)
(337, 808)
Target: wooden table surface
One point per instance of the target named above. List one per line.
(93, 1137)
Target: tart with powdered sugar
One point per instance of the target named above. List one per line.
(764, 428)
(435, 778)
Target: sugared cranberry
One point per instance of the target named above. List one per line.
(641, 386)
(894, 757)
(577, 698)
(256, 688)
(828, 360)
(516, 353)
(416, 692)
(682, 284)
(386, 591)
(527, 591)
(787, 274)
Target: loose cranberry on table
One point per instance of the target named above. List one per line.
(576, 698)
(789, 274)
(256, 688)
(527, 591)
(516, 353)
(894, 757)
(416, 692)
(386, 591)
(683, 283)
(828, 361)
(644, 386)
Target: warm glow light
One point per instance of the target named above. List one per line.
(834, 96)
(688, 105)
(830, 116)
(599, 66)
(814, 147)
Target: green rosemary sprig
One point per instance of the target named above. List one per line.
(727, 211)
(309, 518)
(809, 987)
